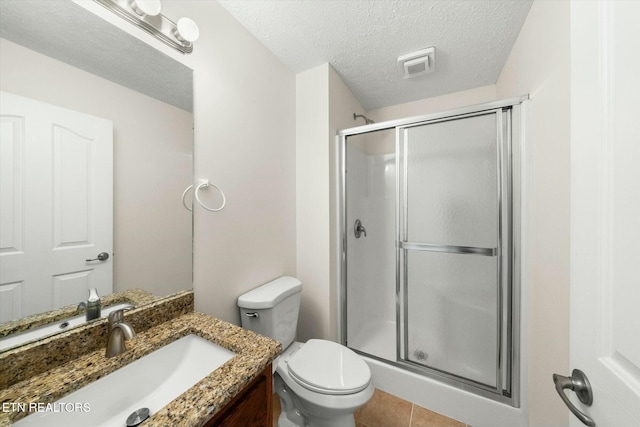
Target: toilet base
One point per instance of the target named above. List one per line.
(341, 421)
(283, 421)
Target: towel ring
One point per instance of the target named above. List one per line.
(184, 194)
(208, 184)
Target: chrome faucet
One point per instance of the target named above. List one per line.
(118, 330)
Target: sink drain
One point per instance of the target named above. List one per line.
(137, 417)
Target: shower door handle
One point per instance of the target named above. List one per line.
(579, 383)
(358, 229)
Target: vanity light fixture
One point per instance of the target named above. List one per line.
(146, 15)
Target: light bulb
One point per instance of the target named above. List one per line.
(186, 30)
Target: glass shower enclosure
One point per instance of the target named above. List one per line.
(429, 212)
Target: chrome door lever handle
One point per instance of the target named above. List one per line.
(102, 256)
(579, 383)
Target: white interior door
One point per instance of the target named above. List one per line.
(56, 194)
(605, 208)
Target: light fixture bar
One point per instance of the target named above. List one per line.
(158, 26)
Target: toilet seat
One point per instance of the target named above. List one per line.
(328, 368)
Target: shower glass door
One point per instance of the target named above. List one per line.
(371, 256)
(428, 231)
(449, 246)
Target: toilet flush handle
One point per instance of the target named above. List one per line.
(252, 314)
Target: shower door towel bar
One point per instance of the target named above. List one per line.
(449, 249)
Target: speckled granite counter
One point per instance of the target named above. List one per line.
(194, 407)
(32, 359)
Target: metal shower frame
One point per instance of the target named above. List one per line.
(510, 142)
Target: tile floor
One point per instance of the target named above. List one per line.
(387, 410)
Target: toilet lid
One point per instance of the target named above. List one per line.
(329, 368)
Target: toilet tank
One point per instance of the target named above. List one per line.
(272, 309)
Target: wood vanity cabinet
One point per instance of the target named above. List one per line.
(252, 407)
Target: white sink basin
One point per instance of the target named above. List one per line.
(52, 328)
(150, 382)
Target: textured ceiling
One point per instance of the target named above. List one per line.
(362, 40)
(67, 32)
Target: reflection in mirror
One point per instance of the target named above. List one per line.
(67, 67)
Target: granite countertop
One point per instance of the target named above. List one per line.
(194, 407)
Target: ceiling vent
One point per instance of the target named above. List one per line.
(417, 63)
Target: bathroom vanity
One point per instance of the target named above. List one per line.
(251, 407)
(237, 392)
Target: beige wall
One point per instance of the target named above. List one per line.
(539, 64)
(435, 104)
(244, 142)
(152, 232)
(324, 105)
(244, 110)
(312, 200)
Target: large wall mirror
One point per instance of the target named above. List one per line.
(58, 59)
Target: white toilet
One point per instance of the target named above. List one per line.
(320, 383)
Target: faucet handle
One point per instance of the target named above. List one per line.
(116, 316)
